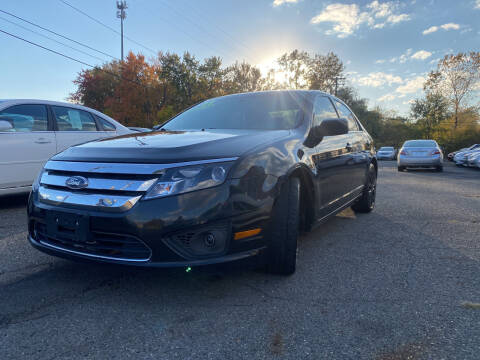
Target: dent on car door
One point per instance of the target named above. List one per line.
(26, 146)
(331, 160)
(73, 127)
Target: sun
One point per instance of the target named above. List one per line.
(268, 64)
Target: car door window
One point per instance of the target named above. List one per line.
(26, 118)
(323, 109)
(106, 125)
(346, 113)
(69, 119)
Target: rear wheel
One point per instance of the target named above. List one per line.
(282, 253)
(401, 168)
(439, 168)
(367, 201)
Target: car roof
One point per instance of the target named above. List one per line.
(4, 103)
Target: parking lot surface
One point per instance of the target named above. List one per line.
(400, 283)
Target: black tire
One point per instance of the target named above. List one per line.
(367, 202)
(401, 168)
(282, 253)
(439, 168)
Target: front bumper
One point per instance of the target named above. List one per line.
(159, 232)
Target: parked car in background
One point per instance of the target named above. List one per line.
(452, 154)
(420, 154)
(139, 129)
(461, 158)
(229, 178)
(386, 153)
(472, 158)
(32, 131)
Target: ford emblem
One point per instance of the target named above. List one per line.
(76, 182)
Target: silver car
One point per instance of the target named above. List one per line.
(386, 153)
(420, 154)
(473, 159)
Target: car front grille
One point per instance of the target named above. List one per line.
(100, 245)
(104, 187)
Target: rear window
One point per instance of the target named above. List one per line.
(386, 148)
(420, 143)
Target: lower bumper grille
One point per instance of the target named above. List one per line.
(103, 245)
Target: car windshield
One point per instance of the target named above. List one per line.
(255, 111)
(386, 148)
(420, 143)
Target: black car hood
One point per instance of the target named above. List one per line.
(170, 146)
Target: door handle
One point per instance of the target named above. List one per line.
(43, 141)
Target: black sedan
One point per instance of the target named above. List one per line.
(232, 177)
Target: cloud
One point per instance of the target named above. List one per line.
(446, 27)
(421, 55)
(398, 18)
(411, 86)
(477, 4)
(281, 2)
(407, 55)
(430, 30)
(387, 97)
(377, 79)
(347, 18)
(450, 26)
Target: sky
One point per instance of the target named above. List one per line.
(388, 47)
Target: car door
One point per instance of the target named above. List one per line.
(356, 147)
(74, 126)
(331, 159)
(25, 147)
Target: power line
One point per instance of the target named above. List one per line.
(52, 39)
(73, 59)
(194, 23)
(202, 14)
(107, 26)
(60, 35)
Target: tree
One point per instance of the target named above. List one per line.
(455, 78)
(242, 77)
(295, 66)
(324, 71)
(429, 112)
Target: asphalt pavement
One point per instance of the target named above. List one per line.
(400, 283)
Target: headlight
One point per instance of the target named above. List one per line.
(189, 178)
(36, 183)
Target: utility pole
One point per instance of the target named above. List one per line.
(337, 78)
(121, 14)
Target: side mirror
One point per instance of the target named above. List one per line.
(328, 127)
(5, 125)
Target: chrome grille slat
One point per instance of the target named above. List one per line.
(103, 202)
(100, 183)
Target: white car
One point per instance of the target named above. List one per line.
(386, 153)
(32, 131)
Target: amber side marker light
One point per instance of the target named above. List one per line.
(244, 234)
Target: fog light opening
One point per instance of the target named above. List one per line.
(209, 240)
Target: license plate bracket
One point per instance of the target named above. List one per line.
(66, 226)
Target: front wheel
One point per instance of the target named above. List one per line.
(367, 201)
(283, 232)
(401, 168)
(439, 168)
